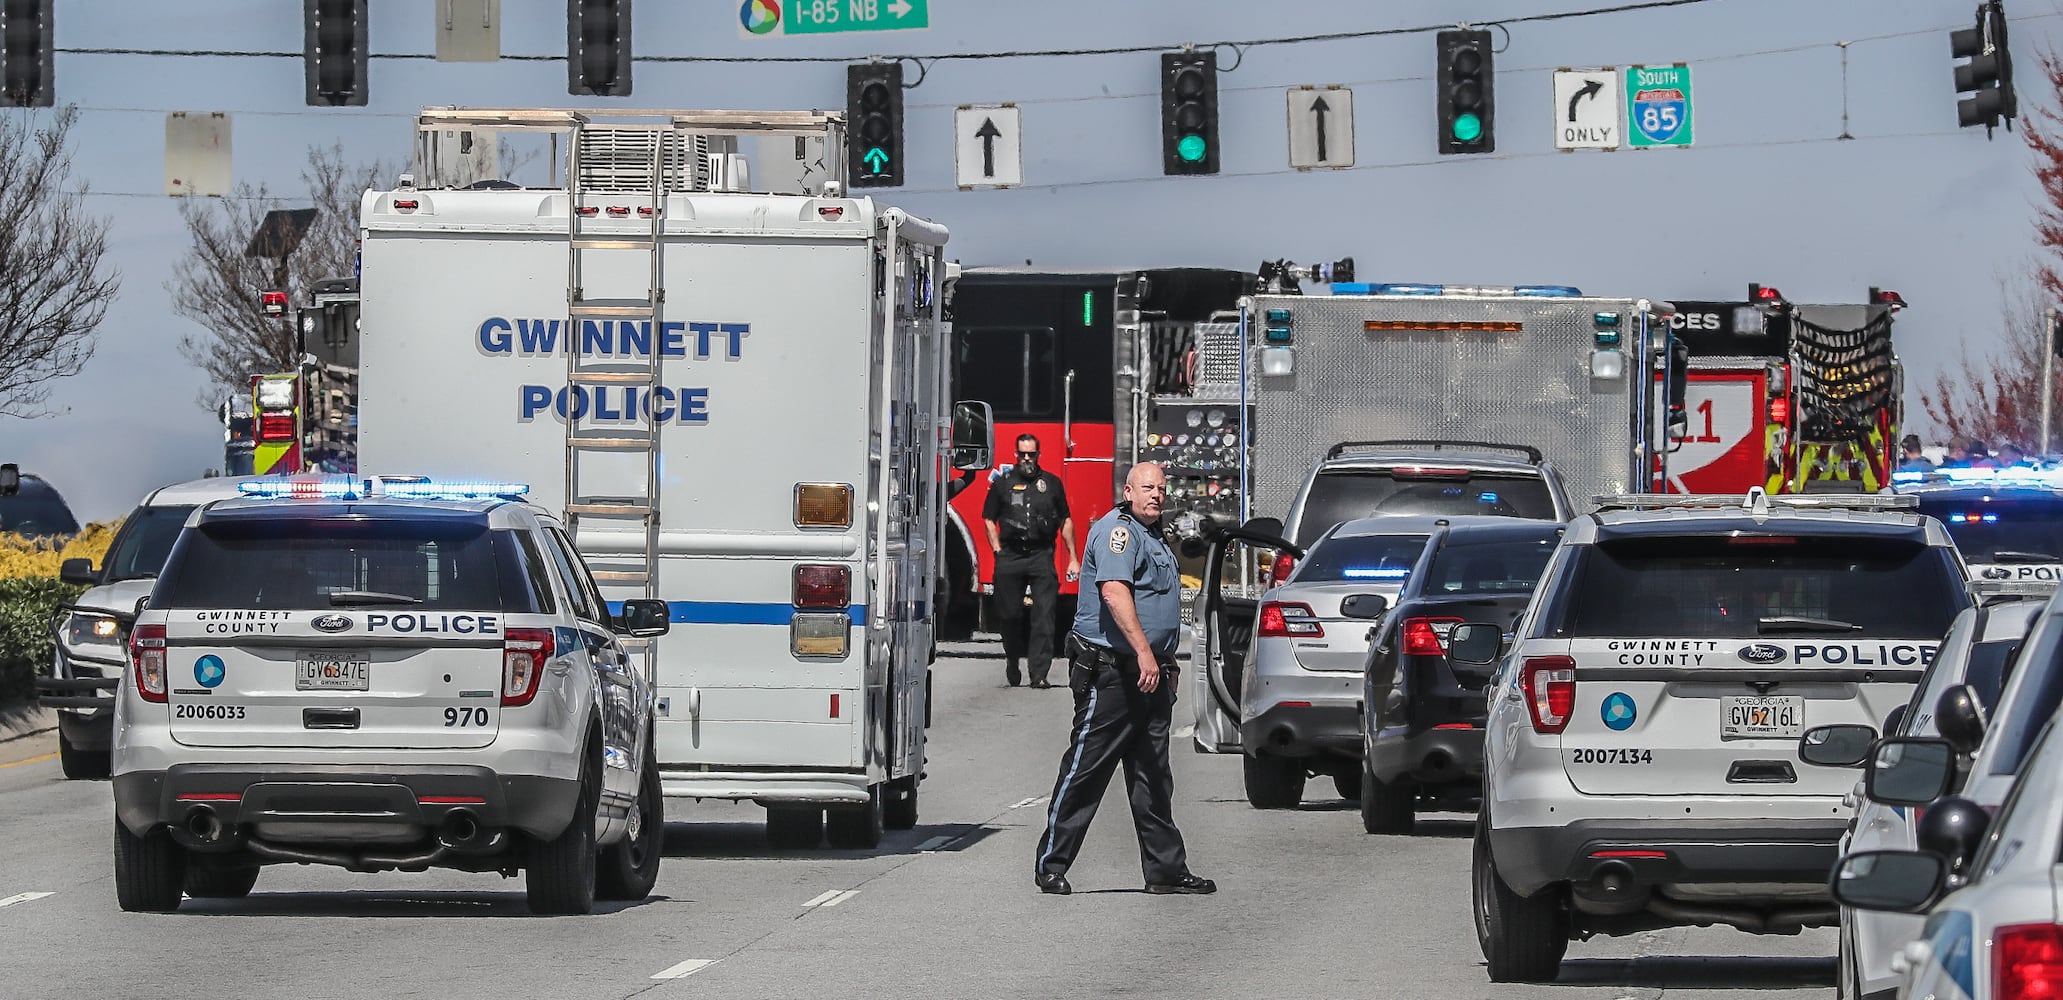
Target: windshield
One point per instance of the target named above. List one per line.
(1742, 587)
(1374, 558)
(1488, 566)
(36, 510)
(1340, 496)
(1984, 529)
(309, 564)
(144, 542)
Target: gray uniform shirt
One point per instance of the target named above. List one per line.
(1120, 548)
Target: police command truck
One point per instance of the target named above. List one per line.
(736, 398)
(383, 674)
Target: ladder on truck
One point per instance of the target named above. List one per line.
(623, 166)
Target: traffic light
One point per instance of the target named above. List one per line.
(334, 52)
(874, 116)
(25, 59)
(598, 47)
(1189, 112)
(1468, 105)
(1988, 76)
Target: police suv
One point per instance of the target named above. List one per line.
(2008, 523)
(383, 674)
(1641, 745)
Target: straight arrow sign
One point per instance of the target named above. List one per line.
(1321, 127)
(987, 133)
(988, 146)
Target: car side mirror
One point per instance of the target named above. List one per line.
(1475, 643)
(644, 618)
(78, 571)
(974, 435)
(10, 479)
(1890, 881)
(1263, 526)
(1909, 771)
(1846, 745)
(1959, 718)
(1365, 606)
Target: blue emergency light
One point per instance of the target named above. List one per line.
(1374, 573)
(2044, 478)
(345, 487)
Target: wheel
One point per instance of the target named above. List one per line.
(218, 883)
(81, 764)
(560, 875)
(628, 870)
(1386, 807)
(1523, 937)
(1274, 782)
(857, 827)
(900, 811)
(1348, 784)
(150, 871)
(796, 827)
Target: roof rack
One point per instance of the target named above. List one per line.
(1757, 502)
(1987, 589)
(1532, 454)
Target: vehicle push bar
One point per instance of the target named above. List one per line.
(1757, 502)
(1532, 454)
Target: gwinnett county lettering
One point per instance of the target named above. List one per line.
(500, 336)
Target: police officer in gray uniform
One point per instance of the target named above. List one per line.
(1121, 665)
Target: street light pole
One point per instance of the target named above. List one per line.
(2048, 372)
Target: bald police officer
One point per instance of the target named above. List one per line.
(1121, 665)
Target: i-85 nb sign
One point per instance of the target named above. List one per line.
(764, 18)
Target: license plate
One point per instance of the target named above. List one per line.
(1745, 718)
(350, 671)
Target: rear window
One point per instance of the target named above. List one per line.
(1374, 558)
(320, 564)
(1488, 566)
(144, 542)
(1724, 587)
(1983, 530)
(1335, 497)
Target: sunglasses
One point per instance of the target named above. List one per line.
(1027, 454)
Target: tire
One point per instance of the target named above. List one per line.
(1523, 938)
(900, 811)
(81, 764)
(1274, 782)
(857, 827)
(150, 871)
(627, 870)
(1348, 784)
(1387, 807)
(560, 873)
(219, 883)
(794, 827)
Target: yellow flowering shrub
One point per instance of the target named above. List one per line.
(22, 557)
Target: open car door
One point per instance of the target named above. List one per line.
(1235, 575)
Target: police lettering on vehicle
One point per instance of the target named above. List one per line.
(241, 622)
(426, 624)
(1864, 654)
(499, 336)
(1662, 652)
(2045, 571)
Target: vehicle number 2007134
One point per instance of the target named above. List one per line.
(1612, 755)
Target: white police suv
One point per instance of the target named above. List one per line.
(383, 674)
(1640, 753)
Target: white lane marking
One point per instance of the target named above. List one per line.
(839, 897)
(821, 900)
(1029, 802)
(687, 968)
(24, 897)
(933, 844)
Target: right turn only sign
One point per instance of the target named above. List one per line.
(1586, 109)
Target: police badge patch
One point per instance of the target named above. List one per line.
(1120, 536)
(1042, 486)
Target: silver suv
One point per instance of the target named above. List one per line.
(1438, 478)
(1642, 740)
(383, 674)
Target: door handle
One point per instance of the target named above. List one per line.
(694, 703)
(1067, 412)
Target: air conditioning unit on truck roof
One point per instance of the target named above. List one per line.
(739, 400)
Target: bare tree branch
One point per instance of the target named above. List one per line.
(53, 290)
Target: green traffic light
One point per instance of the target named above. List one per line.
(1467, 128)
(1191, 149)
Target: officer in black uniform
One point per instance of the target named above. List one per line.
(1026, 506)
(1121, 665)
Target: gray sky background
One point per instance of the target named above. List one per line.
(1767, 194)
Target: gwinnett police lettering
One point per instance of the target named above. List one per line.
(241, 622)
(1995, 571)
(499, 336)
(425, 624)
(1663, 652)
(1700, 652)
(1864, 654)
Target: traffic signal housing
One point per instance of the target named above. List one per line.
(598, 48)
(335, 52)
(25, 78)
(874, 123)
(1189, 112)
(1988, 76)
(1468, 105)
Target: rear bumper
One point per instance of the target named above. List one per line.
(1432, 757)
(1304, 731)
(309, 797)
(1717, 853)
(778, 787)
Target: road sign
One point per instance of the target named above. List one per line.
(197, 153)
(468, 30)
(1586, 109)
(1658, 106)
(988, 147)
(765, 18)
(1321, 127)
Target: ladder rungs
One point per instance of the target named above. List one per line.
(593, 243)
(613, 378)
(610, 443)
(616, 312)
(613, 509)
(619, 575)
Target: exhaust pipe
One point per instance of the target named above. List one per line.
(458, 829)
(1613, 878)
(204, 825)
(1437, 762)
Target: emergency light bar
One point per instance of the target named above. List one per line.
(346, 487)
(2049, 478)
(1758, 502)
(1406, 288)
(315, 487)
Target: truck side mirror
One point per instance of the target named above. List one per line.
(78, 571)
(974, 435)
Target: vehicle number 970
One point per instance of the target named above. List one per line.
(1613, 755)
(225, 712)
(460, 717)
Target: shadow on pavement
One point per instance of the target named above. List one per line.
(384, 904)
(747, 841)
(1698, 973)
(1453, 828)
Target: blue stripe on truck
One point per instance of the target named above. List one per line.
(736, 613)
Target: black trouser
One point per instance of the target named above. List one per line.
(1116, 722)
(1015, 573)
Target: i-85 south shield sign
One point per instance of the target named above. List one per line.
(1658, 106)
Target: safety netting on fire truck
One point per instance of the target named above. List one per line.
(1844, 379)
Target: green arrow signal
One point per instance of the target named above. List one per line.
(876, 159)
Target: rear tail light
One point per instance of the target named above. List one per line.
(147, 661)
(524, 652)
(1278, 573)
(2027, 962)
(1549, 683)
(1427, 636)
(1283, 619)
(276, 426)
(822, 587)
(1780, 410)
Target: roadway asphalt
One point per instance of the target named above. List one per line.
(1308, 905)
